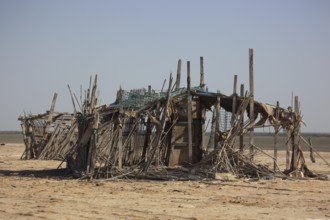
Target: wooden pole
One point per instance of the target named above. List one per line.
(146, 140)
(52, 108)
(201, 81)
(276, 136)
(163, 85)
(217, 120)
(178, 75)
(190, 150)
(202, 111)
(233, 114)
(73, 104)
(251, 79)
(50, 115)
(120, 130)
(241, 137)
(287, 161)
(92, 146)
(296, 131)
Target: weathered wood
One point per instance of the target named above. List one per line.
(201, 81)
(52, 108)
(160, 129)
(217, 120)
(114, 147)
(190, 147)
(296, 134)
(163, 85)
(289, 140)
(92, 146)
(212, 132)
(251, 81)
(276, 135)
(233, 113)
(50, 115)
(178, 75)
(241, 136)
(120, 130)
(93, 97)
(287, 155)
(146, 140)
(201, 110)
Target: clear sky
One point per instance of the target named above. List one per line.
(45, 45)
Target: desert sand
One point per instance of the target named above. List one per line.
(34, 189)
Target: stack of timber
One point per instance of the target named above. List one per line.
(160, 135)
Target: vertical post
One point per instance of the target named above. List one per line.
(211, 139)
(201, 81)
(92, 146)
(217, 120)
(190, 150)
(146, 140)
(251, 79)
(296, 130)
(288, 144)
(178, 75)
(52, 108)
(233, 113)
(287, 161)
(241, 137)
(202, 111)
(50, 115)
(276, 127)
(120, 130)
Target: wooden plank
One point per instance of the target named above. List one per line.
(190, 150)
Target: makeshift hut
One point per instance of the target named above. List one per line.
(162, 134)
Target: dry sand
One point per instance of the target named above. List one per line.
(28, 191)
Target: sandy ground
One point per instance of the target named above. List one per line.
(35, 190)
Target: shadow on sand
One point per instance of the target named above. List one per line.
(47, 174)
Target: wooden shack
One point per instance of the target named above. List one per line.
(144, 130)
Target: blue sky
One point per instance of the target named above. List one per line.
(45, 45)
